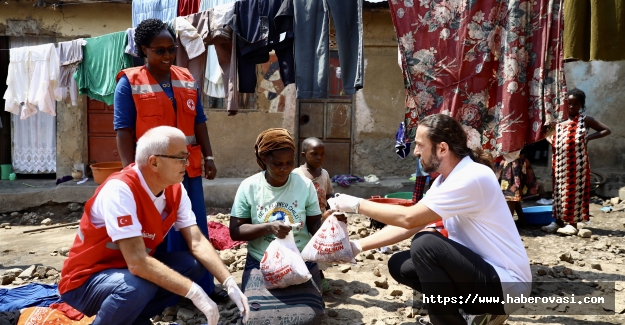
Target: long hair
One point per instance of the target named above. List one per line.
(443, 128)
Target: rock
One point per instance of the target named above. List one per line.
(170, 311)
(14, 271)
(409, 312)
(54, 254)
(381, 283)
(75, 216)
(345, 268)
(541, 271)
(168, 319)
(2, 225)
(359, 258)
(184, 314)
(595, 266)
(46, 222)
(395, 248)
(396, 291)
(7, 227)
(363, 232)
(7, 279)
(566, 257)
(157, 318)
(18, 282)
(369, 255)
(584, 233)
(615, 200)
(31, 252)
(40, 271)
(600, 246)
(227, 257)
(74, 207)
(28, 273)
(332, 313)
(376, 271)
(15, 214)
(567, 230)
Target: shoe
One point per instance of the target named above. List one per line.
(485, 319)
(219, 296)
(550, 228)
(325, 286)
(567, 230)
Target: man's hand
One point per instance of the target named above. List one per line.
(356, 248)
(201, 300)
(345, 203)
(279, 229)
(210, 171)
(238, 297)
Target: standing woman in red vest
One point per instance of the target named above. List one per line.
(160, 93)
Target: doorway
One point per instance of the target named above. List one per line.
(5, 117)
(329, 119)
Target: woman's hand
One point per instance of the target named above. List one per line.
(279, 229)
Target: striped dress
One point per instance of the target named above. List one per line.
(571, 171)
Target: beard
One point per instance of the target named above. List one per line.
(431, 165)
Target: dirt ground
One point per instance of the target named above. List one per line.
(355, 297)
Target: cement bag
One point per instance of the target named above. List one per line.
(330, 244)
(282, 265)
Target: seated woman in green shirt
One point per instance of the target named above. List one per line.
(262, 201)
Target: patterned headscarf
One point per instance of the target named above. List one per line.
(271, 140)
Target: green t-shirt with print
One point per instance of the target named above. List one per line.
(263, 203)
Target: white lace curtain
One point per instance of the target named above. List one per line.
(34, 139)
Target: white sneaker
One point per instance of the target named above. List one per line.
(550, 228)
(485, 319)
(567, 230)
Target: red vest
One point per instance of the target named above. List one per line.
(94, 251)
(154, 108)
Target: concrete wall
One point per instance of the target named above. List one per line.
(604, 85)
(66, 23)
(379, 106)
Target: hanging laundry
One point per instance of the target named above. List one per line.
(189, 38)
(30, 295)
(208, 4)
(159, 9)
(103, 58)
(188, 7)
(131, 49)
(32, 80)
(263, 26)
(479, 62)
(213, 27)
(70, 56)
(592, 30)
(402, 143)
(312, 30)
(213, 82)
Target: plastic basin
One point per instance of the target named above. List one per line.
(539, 215)
(399, 195)
(101, 171)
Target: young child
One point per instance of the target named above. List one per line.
(313, 152)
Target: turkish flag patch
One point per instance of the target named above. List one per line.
(124, 221)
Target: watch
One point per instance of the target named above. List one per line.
(209, 158)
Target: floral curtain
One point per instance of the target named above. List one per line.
(494, 65)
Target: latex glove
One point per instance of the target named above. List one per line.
(356, 248)
(344, 203)
(238, 297)
(201, 300)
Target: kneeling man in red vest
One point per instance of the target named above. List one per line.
(113, 270)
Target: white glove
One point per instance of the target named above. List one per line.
(238, 297)
(356, 248)
(201, 300)
(344, 203)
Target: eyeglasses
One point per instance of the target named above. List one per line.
(162, 50)
(184, 159)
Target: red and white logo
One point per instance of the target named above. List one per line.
(191, 104)
(124, 221)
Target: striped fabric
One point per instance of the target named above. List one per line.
(571, 172)
(298, 304)
(419, 188)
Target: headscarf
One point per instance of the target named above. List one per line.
(271, 140)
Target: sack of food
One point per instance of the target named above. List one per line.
(330, 244)
(282, 265)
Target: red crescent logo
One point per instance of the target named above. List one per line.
(124, 221)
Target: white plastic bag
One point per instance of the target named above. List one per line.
(282, 265)
(330, 244)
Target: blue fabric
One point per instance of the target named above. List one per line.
(30, 295)
(159, 9)
(117, 296)
(346, 180)
(402, 145)
(175, 242)
(125, 112)
(420, 171)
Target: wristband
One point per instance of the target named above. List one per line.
(209, 158)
